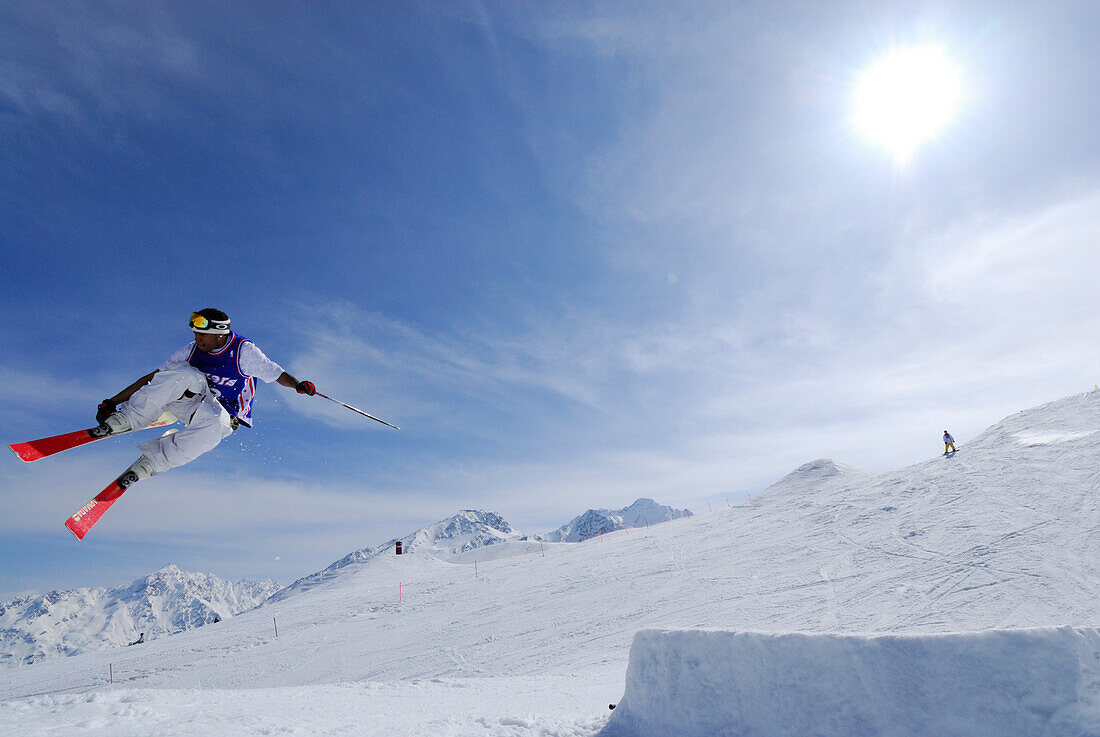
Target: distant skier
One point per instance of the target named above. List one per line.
(139, 640)
(948, 443)
(208, 385)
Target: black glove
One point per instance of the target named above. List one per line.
(105, 409)
(305, 387)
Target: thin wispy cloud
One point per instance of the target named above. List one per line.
(102, 64)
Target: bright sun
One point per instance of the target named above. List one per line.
(905, 98)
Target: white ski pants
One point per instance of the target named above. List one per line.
(182, 390)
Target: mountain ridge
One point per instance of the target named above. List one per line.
(593, 522)
(36, 627)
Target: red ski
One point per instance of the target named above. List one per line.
(33, 450)
(89, 514)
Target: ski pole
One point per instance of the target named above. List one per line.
(356, 409)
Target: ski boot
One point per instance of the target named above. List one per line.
(140, 469)
(115, 424)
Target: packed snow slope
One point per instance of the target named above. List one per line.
(1004, 534)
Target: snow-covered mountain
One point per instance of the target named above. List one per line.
(642, 513)
(465, 531)
(33, 628)
(1000, 536)
(445, 540)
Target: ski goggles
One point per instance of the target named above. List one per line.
(203, 324)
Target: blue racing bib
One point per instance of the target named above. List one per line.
(229, 384)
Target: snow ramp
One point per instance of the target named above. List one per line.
(996, 683)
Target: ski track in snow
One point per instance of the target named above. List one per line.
(1004, 534)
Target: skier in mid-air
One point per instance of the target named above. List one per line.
(208, 385)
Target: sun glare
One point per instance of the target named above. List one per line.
(905, 98)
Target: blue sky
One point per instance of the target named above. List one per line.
(580, 252)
